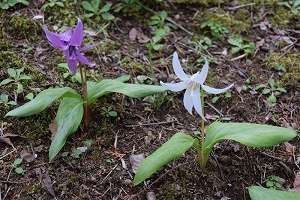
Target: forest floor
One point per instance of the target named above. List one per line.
(263, 48)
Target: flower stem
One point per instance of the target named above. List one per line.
(86, 113)
(202, 159)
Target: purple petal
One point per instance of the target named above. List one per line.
(89, 46)
(55, 42)
(177, 68)
(72, 64)
(77, 36)
(203, 74)
(188, 101)
(65, 36)
(175, 87)
(83, 59)
(214, 90)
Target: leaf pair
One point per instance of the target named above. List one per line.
(253, 135)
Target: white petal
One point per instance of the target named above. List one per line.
(175, 87)
(214, 90)
(188, 101)
(177, 67)
(203, 74)
(197, 104)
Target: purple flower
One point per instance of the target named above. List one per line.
(69, 42)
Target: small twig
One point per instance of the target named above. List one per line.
(108, 174)
(149, 124)
(214, 108)
(9, 182)
(168, 19)
(216, 160)
(8, 153)
(240, 57)
(272, 156)
(241, 6)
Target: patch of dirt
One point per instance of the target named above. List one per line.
(104, 171)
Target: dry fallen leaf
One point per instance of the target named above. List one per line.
(149, 138)
(136, 160)
(53, 128)
(297, 180)
(48, 185)
(27, 157)
(289, 148)
(133, 34)
(5, 138)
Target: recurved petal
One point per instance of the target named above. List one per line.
(214, 90)
(55, 42)
(77, 37)
(197, 104)
(90, 46)
(188, 101)
(200, 78)
(65, 36)
(177, 67)
(83, 59)
(175, 87)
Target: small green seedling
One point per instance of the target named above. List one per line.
(94, 9)
(52, 3)
(270, 89)
(108, 112)
(294, 6)
(274, 182)
(6, 4)
(241, 44)
(18, 170)
(216, 30)
(111, 161)
(16, 77)
(280, 69)
(203, 44)
(128, 7)
(74, 78)
(162, 29)
(4, 100)
(216, 98)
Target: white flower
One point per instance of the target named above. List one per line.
(192, 85)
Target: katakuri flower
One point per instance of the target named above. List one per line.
(69, 42)
(192, 85)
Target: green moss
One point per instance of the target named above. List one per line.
(129, 63)
(200, 2)
(290, 62)
(226, 20)
(19, 27)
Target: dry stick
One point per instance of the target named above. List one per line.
(108, 174)
(241, 6)
(149, 124)
(8, 153)
(168, 19)
(158, 179)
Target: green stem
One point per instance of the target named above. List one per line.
(86, 114)
(203, 160)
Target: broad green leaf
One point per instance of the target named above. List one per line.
(96, 3)
(6, 81)
(87, 6)
(234, 42)
(20, 88)
(266, 91)
(107, 16)
(60, 4)
(272, 83)
(253, 135)
(260, 193)
(281, 89)
(173, 148)
(259, 86)
(105, 8)
(12, 73)
(96, 90)
(235, 50)
(24, 77)
(68, 118)
(163, 15)
(26, 3)
(42, 101)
